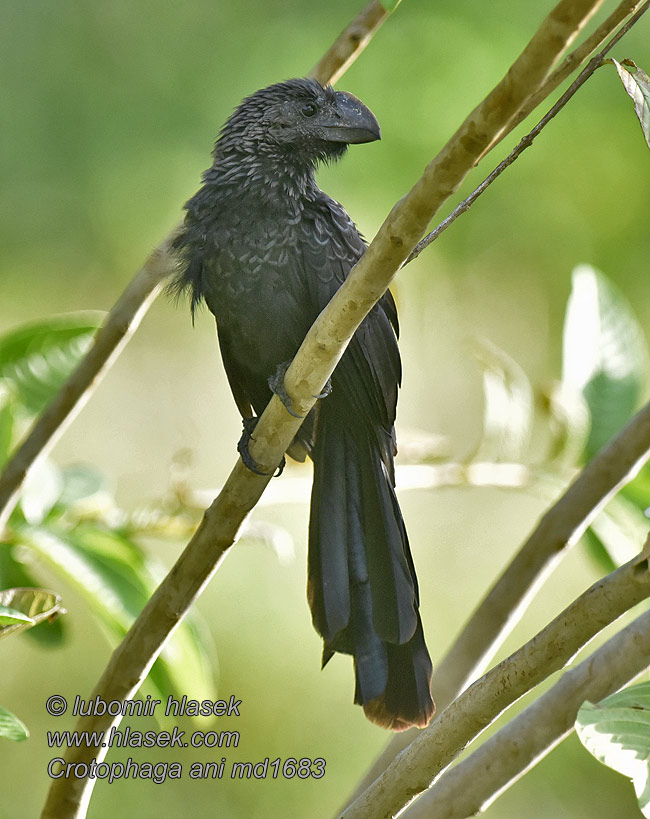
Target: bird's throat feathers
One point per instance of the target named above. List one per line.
(265, 170)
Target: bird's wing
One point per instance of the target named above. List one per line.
(370, 371)
(234, 376)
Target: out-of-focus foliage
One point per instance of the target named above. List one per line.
(67, 520)
(11, 727)
(21, 609)
(604, 354)
(605, 365)
(35, 360)
(508, 408)
(108, 112)
(604, 376)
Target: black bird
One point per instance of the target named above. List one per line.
(266, 249)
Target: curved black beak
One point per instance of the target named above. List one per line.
(352, 121)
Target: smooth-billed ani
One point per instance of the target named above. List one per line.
(266, 249)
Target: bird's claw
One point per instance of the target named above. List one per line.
(276, 383)
(249, 425)
(327, 389)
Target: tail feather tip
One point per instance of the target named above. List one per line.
(377, 711)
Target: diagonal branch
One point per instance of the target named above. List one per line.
(560, 527)
(502, 607)
(305, 379)
(530, 137)
(120, 325)
(472, 785)
(576, 58)
(475, 709)
(124, 318)
(409, 218)
(349, 44)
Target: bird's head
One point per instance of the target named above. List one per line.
(298, 120)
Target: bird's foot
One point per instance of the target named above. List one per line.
(249, 425)
(327, 389)
(276, 383)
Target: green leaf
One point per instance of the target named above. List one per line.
(9, 616)
(11, 727)
(390, 5)
(617, 733)
(116, 580)
(604, 354)
(637, 84)
(36, 605)
(508, 406)
(14, 574)
(36, 359)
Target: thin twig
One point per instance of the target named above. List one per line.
(528, 140)
(420, 476)
(305, 378)
(476, 708)
(472, 785)
(124, 318)
(572, 61)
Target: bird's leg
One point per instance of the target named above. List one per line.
(249, 425)
(276, 383)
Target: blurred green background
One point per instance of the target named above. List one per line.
(108, 113)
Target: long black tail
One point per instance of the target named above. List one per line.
(362, 586)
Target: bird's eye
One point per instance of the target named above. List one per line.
(308, 110)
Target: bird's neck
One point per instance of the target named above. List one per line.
(272, 179)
